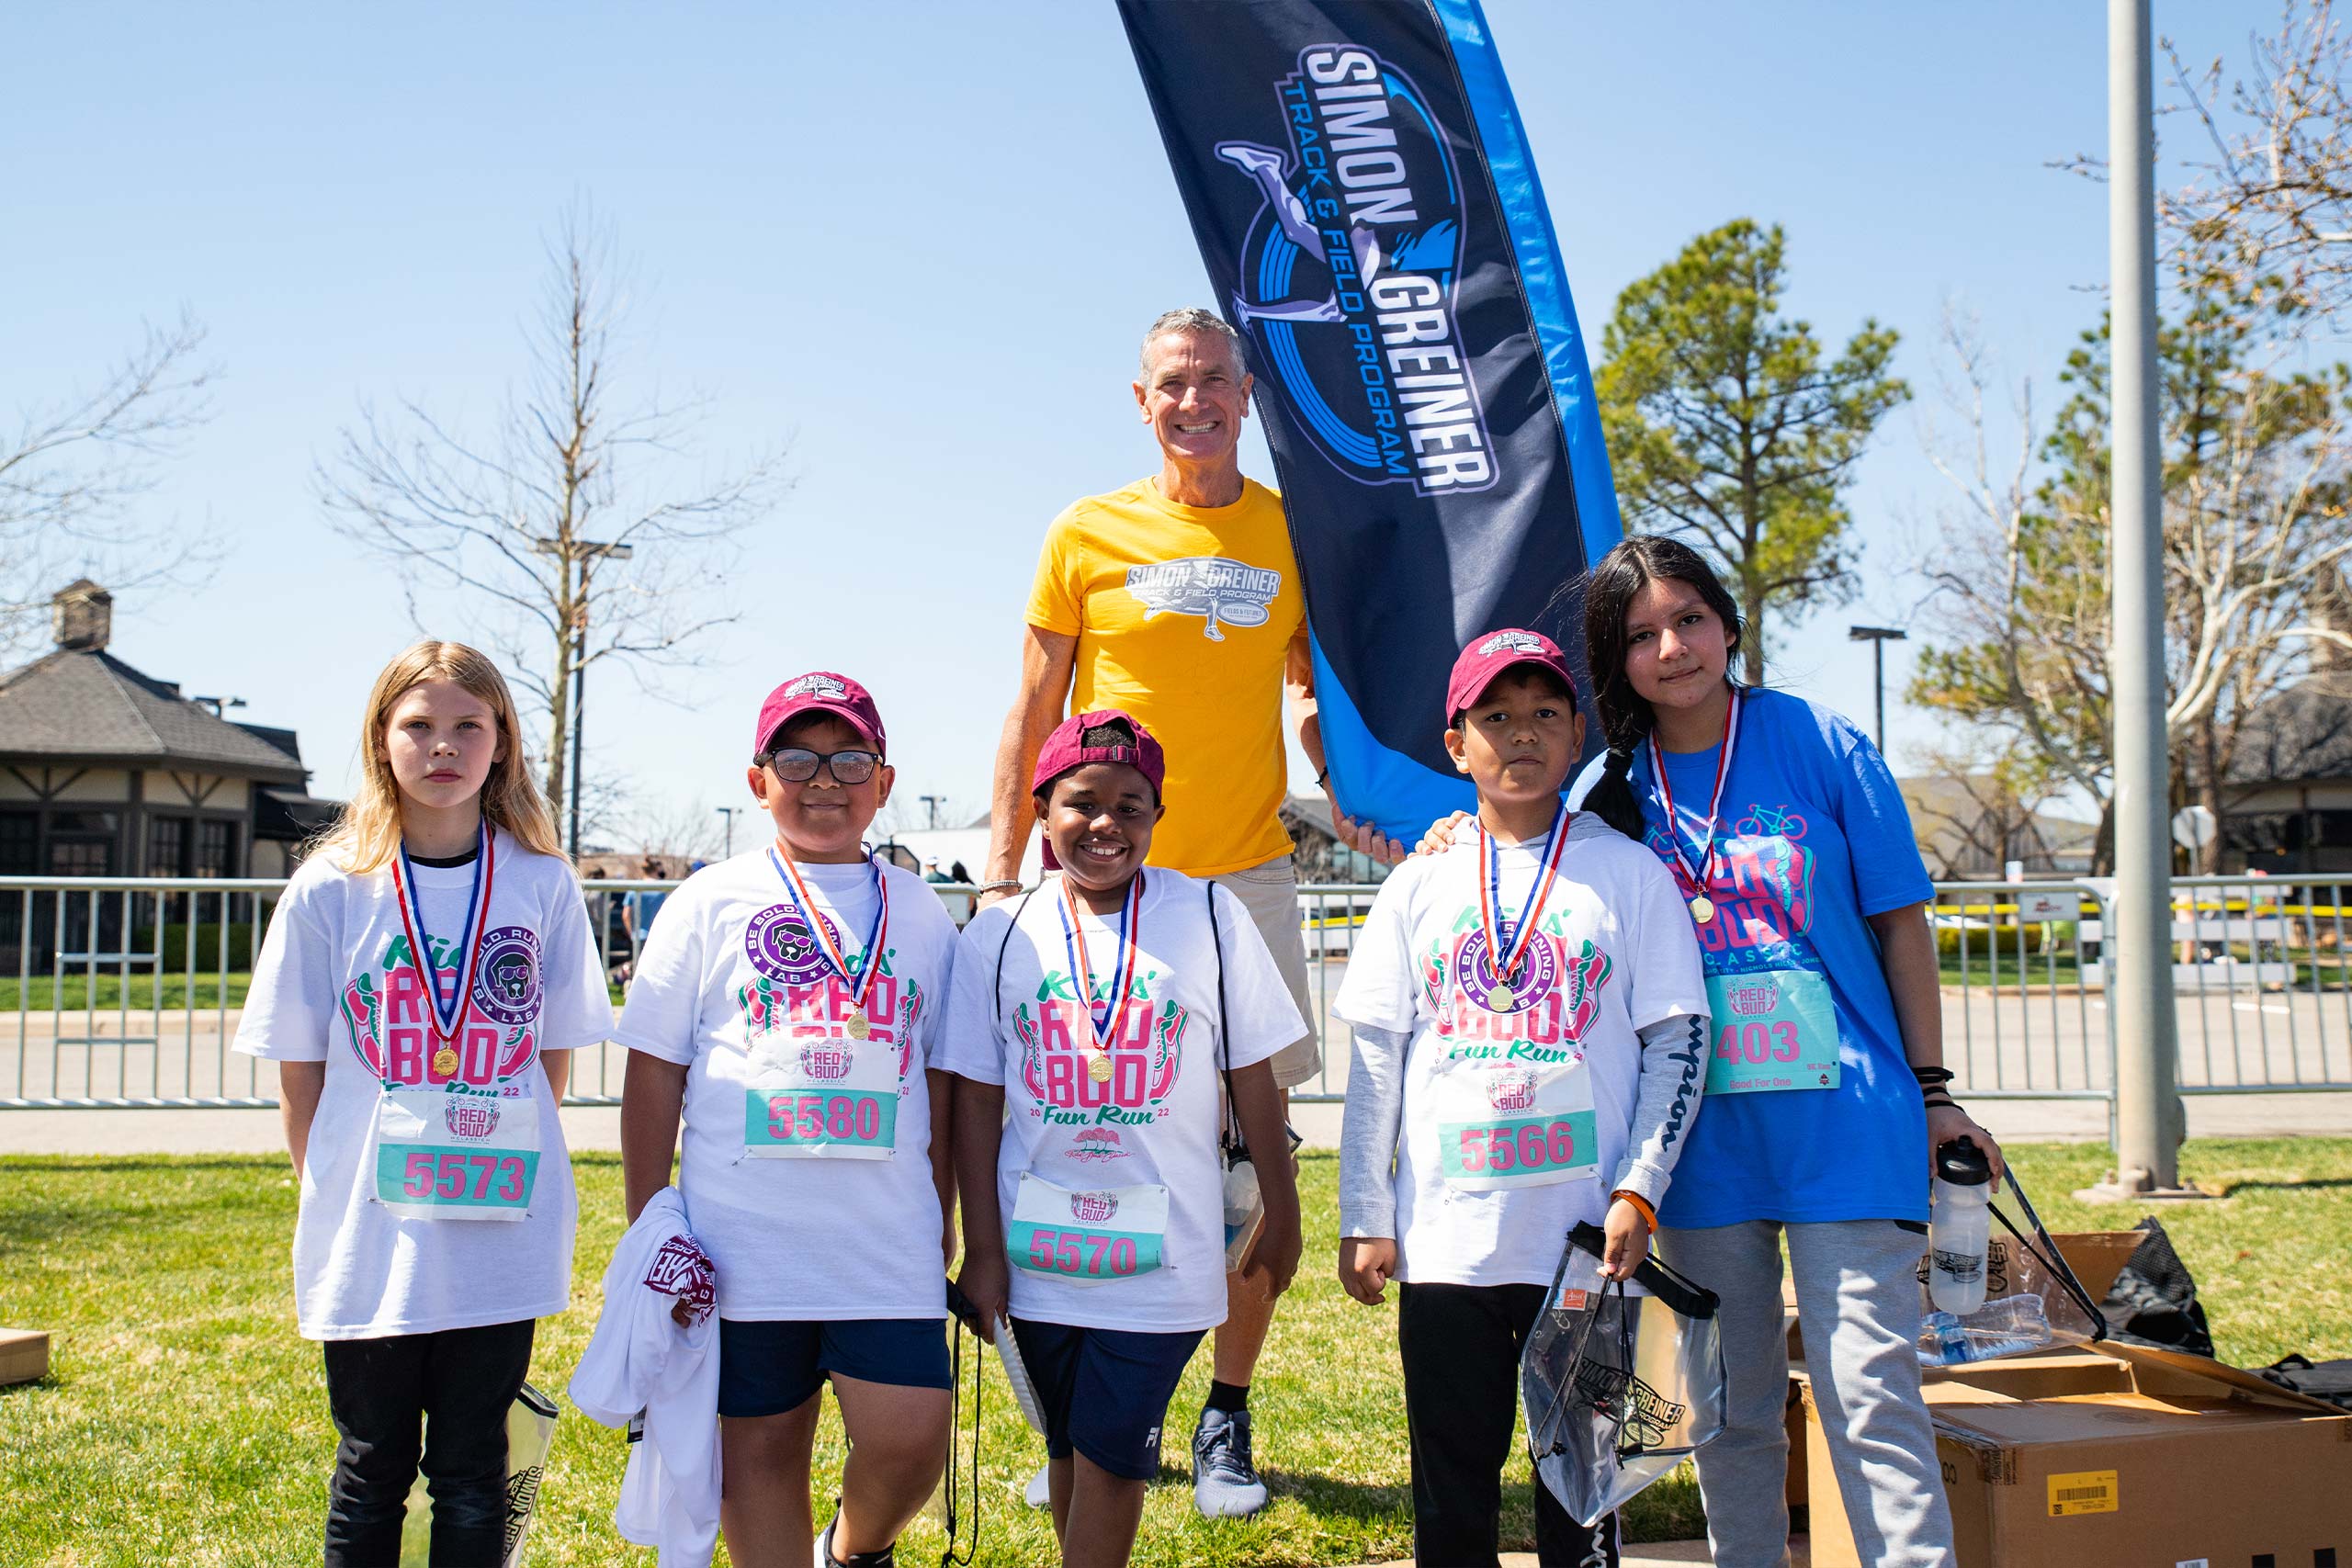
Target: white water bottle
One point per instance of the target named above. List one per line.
(1960, 1223)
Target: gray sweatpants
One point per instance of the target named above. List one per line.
(1858, 1308)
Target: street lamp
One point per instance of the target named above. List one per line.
(729, 812)
(1878, 637)
(931, 804)
(583, 551)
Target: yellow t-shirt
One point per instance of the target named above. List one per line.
(1183, 615)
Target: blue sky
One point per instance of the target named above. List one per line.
(916, 241)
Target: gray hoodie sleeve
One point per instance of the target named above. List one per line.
(1666, 1098)
(1368, 1131)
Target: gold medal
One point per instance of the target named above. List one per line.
(1098, 1067)
(1703, 908)
(858, 1028)
(445, 1061)
(1506, 998)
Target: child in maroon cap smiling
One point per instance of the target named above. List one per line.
(1529, 1022)
(1104, 1009)
(788, 1003)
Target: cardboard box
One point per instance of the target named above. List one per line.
(24, 1355)
(2118, 1458)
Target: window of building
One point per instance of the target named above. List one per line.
(81, 857)
(216, 848)
(167, 846)
(19, 843)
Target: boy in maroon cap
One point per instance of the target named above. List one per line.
(789, 1005)
(1529, 1028)
(1112, 1011)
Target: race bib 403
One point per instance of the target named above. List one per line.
(1773, 1030)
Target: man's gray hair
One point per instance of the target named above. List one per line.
(1193, 319)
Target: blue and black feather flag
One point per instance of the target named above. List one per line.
(1362, 193)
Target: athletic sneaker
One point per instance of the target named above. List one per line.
(1040, 1494)
(1225, 1484)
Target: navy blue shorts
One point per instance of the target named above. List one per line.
(1106, 1390)
(766, 1369)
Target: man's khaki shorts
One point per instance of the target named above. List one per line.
(1270, 892)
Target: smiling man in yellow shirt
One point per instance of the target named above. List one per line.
(1178, 600)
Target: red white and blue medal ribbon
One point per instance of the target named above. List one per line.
(1101, 1032)
(1695, 878)
(1523, 930)
(861, 983)
(447, 1022)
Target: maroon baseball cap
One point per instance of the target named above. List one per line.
(1066, 749)
(1489, 656)
(821, 691)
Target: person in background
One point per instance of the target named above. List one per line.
(1177, 598)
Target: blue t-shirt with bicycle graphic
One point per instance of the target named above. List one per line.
(1813, 838)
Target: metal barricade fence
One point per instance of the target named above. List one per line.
(126, 991)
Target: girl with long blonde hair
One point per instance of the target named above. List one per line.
(425, 977)
(368, 834)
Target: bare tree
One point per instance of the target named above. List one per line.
(72, 469)
(564, 522)
(675, 829)
(2271, 198)
(2256, 476)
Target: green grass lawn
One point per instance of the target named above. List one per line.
(75, 992)
(183, 1421)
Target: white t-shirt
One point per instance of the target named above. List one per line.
(1612, 953)
(732, 987)
(1154, 1122)
(335, 983)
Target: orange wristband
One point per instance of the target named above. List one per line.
(1650, 1215)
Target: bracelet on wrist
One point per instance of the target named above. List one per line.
(1002, 885)
(1641, 1205)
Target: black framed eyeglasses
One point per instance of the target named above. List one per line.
(795, 765)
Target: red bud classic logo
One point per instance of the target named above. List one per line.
(1350, 273)
(825, 1061)
(1510, 1092)
(470, 1118)
(1092, 1208)
(1754, 998)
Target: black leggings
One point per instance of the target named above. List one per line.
(1461, 1346)
(458, 1384)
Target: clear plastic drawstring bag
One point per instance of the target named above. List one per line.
(530, 1432)
(1621, 1384)
(2032, 1299)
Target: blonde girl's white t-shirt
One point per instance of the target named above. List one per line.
(1155, 1122)
(336, 983)
(1622, 957)
(730, 984)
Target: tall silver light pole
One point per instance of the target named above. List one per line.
(2140, 926)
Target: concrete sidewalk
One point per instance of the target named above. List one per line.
(1657, 1552)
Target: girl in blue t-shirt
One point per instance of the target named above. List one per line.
(1826, 1088)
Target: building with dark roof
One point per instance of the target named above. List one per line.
(108, 772)
(2286, 790)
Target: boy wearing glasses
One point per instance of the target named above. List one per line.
(788, 1004)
